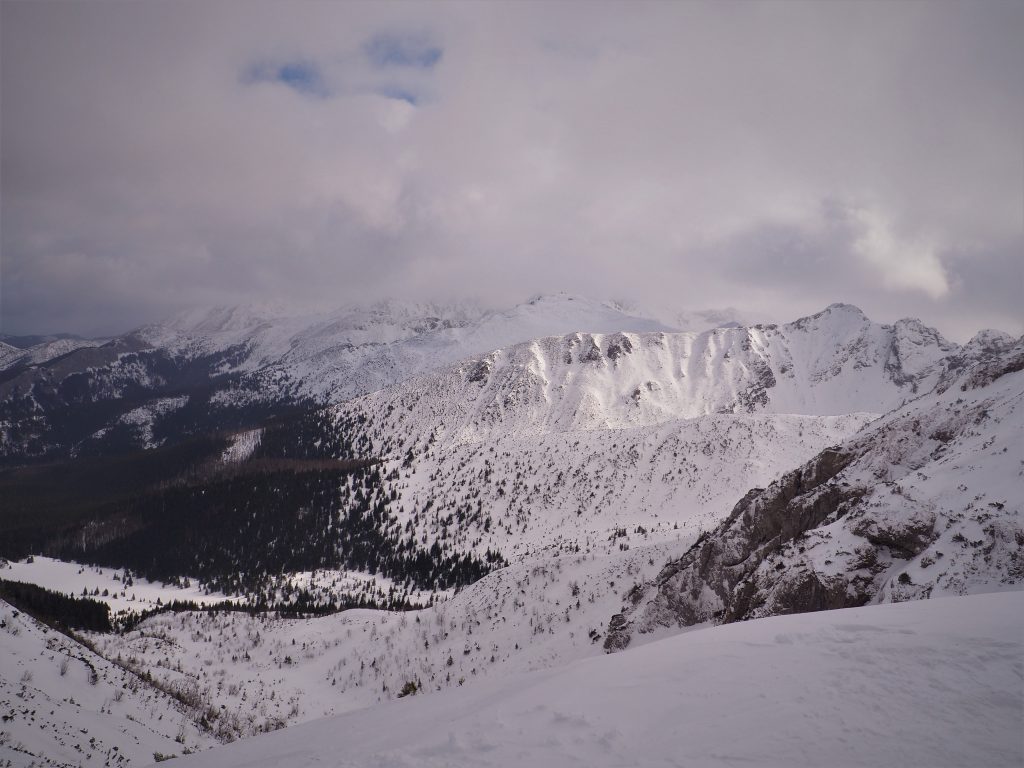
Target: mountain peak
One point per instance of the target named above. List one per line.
(989, 340)
(912, 330)
(564, 297)
(836, 315)
(840, 308)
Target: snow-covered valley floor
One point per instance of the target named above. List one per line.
(930, 683)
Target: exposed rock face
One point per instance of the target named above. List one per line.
(927, 500)
(617, 638)
(479, 371)
(993, 368)
(712, 581)
(619, 345)
(909, 360)
(590, 351)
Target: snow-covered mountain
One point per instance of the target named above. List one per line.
(357, 349)
(598, 487)
(569, 441)
(928, 500)
(232, 358)
(34, 350)
(591, 490)
(835, 362)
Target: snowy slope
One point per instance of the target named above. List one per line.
(584, 516)
(573, 442)
(141, 419)
(836, 362)
(128, 597)
(594, 490)
(925, 501)
(588, 458)
(9, 355)
(933, 683)
(258, 669)
(43, 351)
(62, 705)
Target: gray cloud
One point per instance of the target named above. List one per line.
(772, 157)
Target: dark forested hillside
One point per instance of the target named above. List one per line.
(310, 496)
(44, 502)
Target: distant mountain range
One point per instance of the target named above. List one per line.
(231, 367)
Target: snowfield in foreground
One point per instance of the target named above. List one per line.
(931, 683)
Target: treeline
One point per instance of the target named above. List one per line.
(57, 610)
(304, 606)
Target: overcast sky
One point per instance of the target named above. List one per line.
(774, 157)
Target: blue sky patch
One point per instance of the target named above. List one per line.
(301, 75)
(388, 50)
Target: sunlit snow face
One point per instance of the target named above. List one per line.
(773, 156)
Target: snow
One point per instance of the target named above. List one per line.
(566, 441)
(142, 418)
(10, 355)
(242, 446)
(70, 579)
(948, 465)
(357, 349)
(825, 365)
(934, 683)
(926, 501)
(596, 489)
(259, 669)
(42, 352)
(63, 705)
